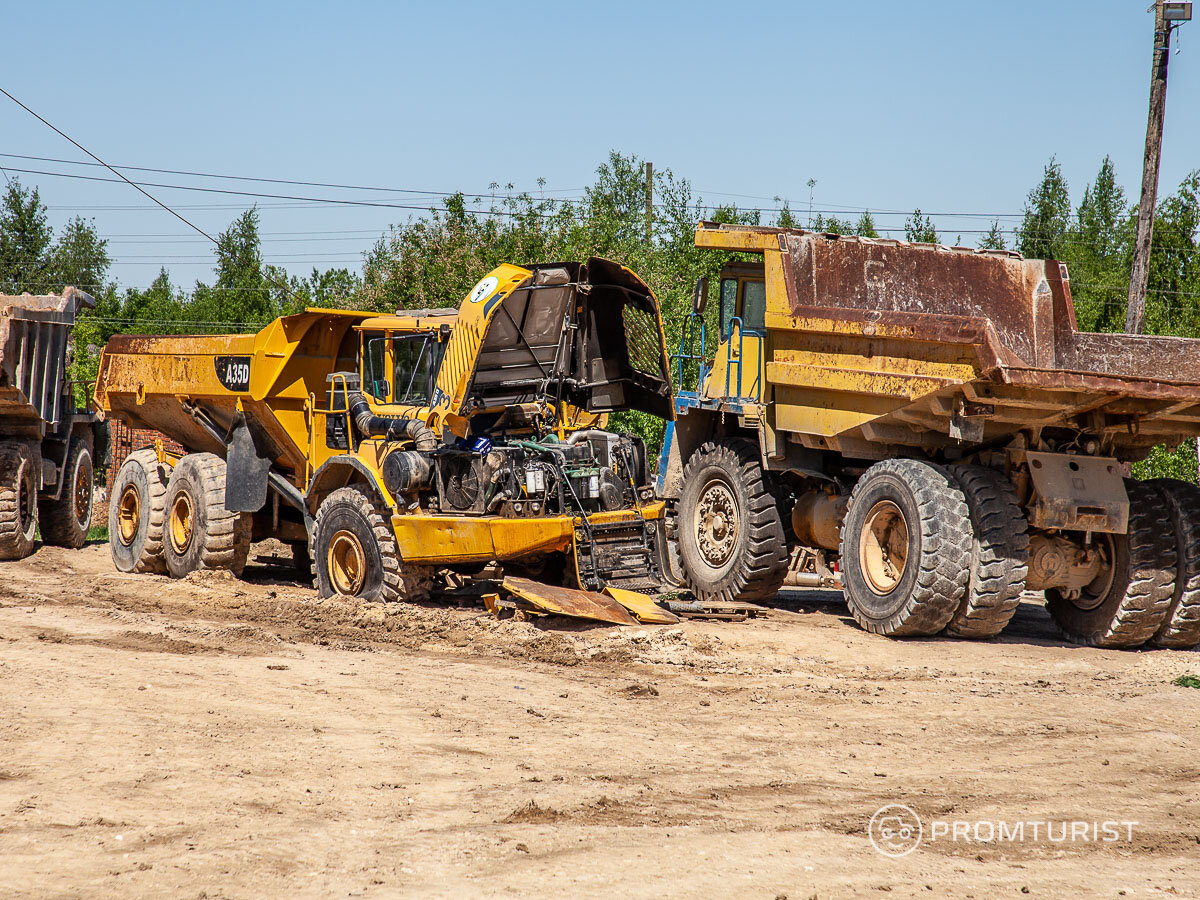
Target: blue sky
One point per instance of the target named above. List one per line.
(952, 107)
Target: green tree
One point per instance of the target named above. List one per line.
(994, 239)
(832, 225)
(1047, 215)
(25, 237)
(919, 229)
(866, 225)
(79, 257)
(1097, 250)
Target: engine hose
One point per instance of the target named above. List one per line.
(393, 428)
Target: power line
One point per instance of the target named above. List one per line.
(331, 200)
(349, 187)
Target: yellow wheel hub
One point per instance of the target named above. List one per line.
(883, 546)
(129, 515)
(347, 563)
(182, 523)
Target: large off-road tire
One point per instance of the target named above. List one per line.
(731, 540)
(355, 555)
(135, 513)
(905, 548)
(1129, 601)
(200, 533)
(1181, 628)
(65, 522)
(999, 553)
(18, 499)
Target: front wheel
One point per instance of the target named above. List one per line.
(355, 554)
(731, 540)
(905, 548)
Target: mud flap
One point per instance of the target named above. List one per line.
(642, 607)
(245, 473)
(562, 601)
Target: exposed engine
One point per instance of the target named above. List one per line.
(589, 471)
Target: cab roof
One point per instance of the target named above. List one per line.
(410, 320)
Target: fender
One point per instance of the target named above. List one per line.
(332, 474)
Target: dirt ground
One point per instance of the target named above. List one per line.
(223, 738)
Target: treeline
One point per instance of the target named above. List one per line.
(432, 260)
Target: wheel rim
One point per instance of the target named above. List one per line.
(182, 522)
(129, 511)
(1097, 590)
(716, 524)
(347, 563)
(883, 547)
(83, 495)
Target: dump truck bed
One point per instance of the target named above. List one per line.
(887, 342)
(34, 330)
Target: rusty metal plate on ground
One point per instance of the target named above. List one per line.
(643, 608)
(564, 601)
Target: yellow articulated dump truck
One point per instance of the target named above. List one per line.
(928, 426)
(398, 446)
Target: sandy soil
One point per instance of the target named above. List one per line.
(222, 738)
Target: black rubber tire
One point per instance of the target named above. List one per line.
(60, 520)
(146, 478)
(1139, 598)
(18, 499)
(756, 564)
(356, 510)
(938, 562)
(999, 553)
(220, 539)
(1181, 629)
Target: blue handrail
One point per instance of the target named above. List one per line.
(742, 333)
(687, 352)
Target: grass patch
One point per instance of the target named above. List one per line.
(1187, 681)
(98, 533)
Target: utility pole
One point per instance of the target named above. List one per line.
(649, 201)
(1167, 17)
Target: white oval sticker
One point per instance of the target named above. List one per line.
(484, 289)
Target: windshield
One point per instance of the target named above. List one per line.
(411, 360)
(417, 360)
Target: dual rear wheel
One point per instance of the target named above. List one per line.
(173, 520)
(929, 549)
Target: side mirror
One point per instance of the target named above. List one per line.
(700, 296)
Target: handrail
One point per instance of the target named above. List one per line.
(742, 333)
(688, 337)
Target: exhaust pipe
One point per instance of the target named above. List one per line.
(392, 428)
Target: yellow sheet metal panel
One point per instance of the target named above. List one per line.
(564, 601)
(854, 381)
(643, 608)
(826, 413)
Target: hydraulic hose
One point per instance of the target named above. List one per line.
(393, 428)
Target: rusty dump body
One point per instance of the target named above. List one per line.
(883, 343)
(34, 331)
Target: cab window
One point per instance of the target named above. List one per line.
(729, 291)
(754, 305)
(375, 367)
(417, 360)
